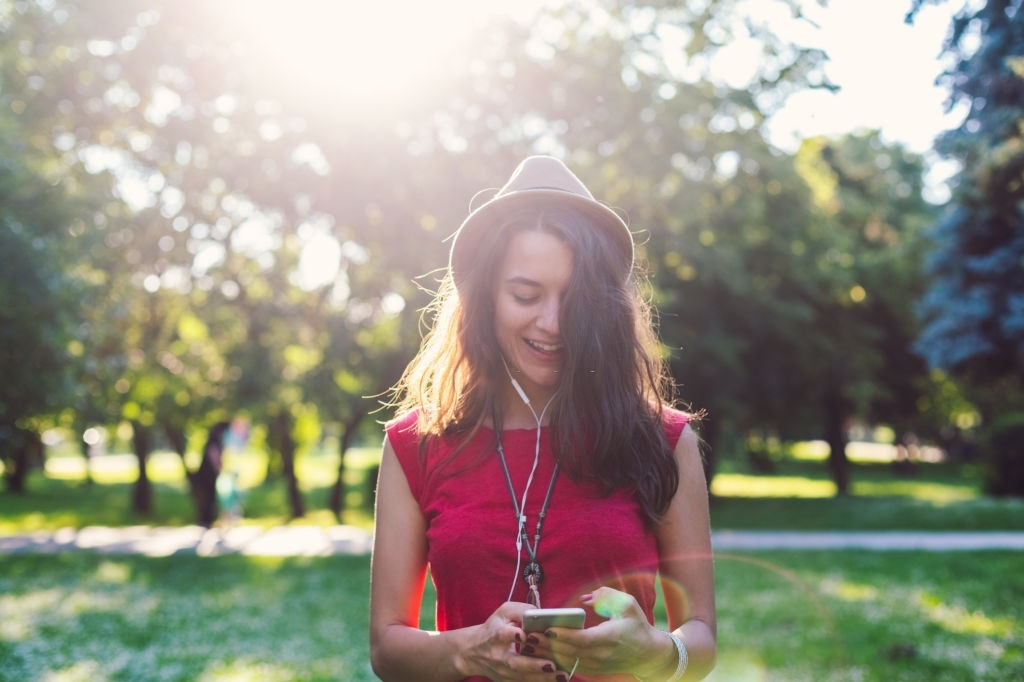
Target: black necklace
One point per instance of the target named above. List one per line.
(533, 574)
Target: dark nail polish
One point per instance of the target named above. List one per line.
(532, 640)
(519, 638)
(527, 650)
(548, 668)
(562, 678)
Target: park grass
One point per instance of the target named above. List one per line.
(797, 495)
(783, 617)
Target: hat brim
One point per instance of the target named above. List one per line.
(467, 239)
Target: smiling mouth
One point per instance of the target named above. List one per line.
(544, 347)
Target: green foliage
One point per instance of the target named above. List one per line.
(878, 215)
(40, 296)
(255, 244)
(1002, 448)
(974, 307)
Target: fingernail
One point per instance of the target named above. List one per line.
(519, 638)
(527, 650)
(550, 634)
(548, 668)
(562, 678)
(532, 640)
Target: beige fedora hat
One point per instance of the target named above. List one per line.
(541, 180)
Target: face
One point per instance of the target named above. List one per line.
(531, 283)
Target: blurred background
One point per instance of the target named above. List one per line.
(234, 212)
(220, 221)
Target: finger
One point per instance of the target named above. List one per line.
(545, 666)
(611, 603)
(532, 668)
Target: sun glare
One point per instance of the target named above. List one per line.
(360, 55)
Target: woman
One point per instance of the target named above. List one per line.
(535, 462)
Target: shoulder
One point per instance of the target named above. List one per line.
(403, 436)
(403, 441)
(403, 427)
(673, 422)
(671, 415)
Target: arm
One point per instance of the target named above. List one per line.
(399, 650)
(687, 567)
(627, 642)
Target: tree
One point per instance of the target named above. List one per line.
(231, 185)
(628, 93)
(42, 293)
(869, 196)
(973, 311)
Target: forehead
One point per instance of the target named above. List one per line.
(538, 255)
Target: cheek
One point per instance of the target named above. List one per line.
(504, 322)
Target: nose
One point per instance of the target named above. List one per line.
(547, 318)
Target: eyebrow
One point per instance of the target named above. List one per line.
(519, 279)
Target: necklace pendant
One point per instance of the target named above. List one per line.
(533, 574)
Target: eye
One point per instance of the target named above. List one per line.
(524, 300)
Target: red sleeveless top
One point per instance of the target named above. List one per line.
(589, 540)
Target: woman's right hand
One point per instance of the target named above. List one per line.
(399, 649)
(491, 650)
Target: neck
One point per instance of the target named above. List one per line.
(516, 414)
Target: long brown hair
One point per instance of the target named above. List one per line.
(606, 416)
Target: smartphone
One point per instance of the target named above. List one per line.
(539, 620)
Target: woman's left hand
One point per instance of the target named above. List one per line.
(625, 643)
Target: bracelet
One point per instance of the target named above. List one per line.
(684, 659)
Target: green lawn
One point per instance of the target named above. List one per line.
(783, 616)
(799, 495)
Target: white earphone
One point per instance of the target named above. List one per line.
(529, 481)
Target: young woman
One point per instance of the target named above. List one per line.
(536, 461)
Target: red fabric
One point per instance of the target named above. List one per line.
(587, 540)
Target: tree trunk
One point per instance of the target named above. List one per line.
(835, 436)
(336, 499)
(23, 448)
(88, 450)
(179, 443)
(287, 444)
(142, 491)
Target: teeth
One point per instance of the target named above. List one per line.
(546, 347)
